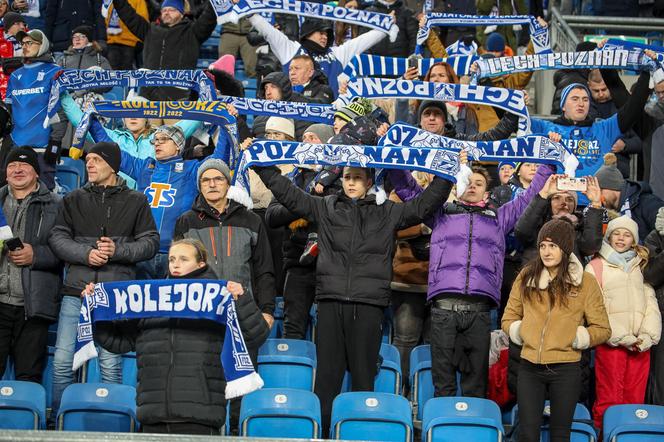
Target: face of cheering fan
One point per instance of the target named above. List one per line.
(550, 254)
(621, 240)
(170, 16)
(505, 173)
(356, 182)
(433, 120)
(577, 105)
(438, 74)
(135, 125)
(476, 189)
(319, 37)
(183, 259)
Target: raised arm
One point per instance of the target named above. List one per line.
(632, 111)
(134, 22)
(509, 214)
(293, 198)
(204, 25)
(356, 46)
(284, 48)
(419, 209)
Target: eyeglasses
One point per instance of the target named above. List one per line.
(28, 43)
(214, 179)
(160, 140)
(79, 36)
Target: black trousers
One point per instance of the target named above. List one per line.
(348, 338)
(25, 341)
(299, 293)
(460, 341)
(121, 57)
(562, 382)
(180, 428)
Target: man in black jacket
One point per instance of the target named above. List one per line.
(30, 274)
(102, 231)
(309, 81)
(173, 44)
(356, 239)
(404, 45)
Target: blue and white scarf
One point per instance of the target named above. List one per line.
(213, 112)
(366, 65)
(538, 34)
(460, 48)
(113, 27)
(530, 149)
(507, 99)
(74, 79)
(5, 230)
(441, 162)
(317, 113)
(633, 59)
(182, 299)
(227, 11)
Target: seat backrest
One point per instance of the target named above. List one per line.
(634, 422)
(461, 418)
(98, 407)
(287, 363)
(388, 379)
(384, 416)
(280, 412)
(421, 382)
(22, 405)
(47, 376)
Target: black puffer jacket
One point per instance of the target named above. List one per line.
(281, 80)
(356, 239)
(318, 90)
(404, 45)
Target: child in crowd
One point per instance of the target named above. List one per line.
(554, 311)
(623, 363)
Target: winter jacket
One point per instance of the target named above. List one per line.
(84, 59)
(164, 47)
(630, 302)
(638, 201)
(404, 45)
(122, 214)
(317, 89)
(355, 238)
(633, 144)
(40, 281)
(8, 49)
(588, 231)
(237, 244)
(653, 274)
(63, 16)
(556, 334)
(125, 36)
(468, 242)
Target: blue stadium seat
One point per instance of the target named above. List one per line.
(421, 382)
(387, 326)
(632, 423)
(282, 413)
(22, 406)
(91, 372)
(98, 407)
(389, 377)
(277, 330)
(70, 173)
(287, 363)
(447, 419)
(581, 431)
(366, 415)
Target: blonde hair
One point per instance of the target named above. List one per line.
(201, 252)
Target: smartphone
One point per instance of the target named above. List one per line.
(413, 63)
(573, 184)
(14, 244)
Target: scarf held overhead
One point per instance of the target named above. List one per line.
(227, 11)
(441, 162)
(366, 65)
(75, 79)
(181, 299)
(530, 149)
(538, 34)
(317, 113)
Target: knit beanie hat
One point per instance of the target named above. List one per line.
(427, 104)
(623, 222)
(174, 133)
(560, 232)
(85, 30)
(572, 194)
(177, 4)
(24, 154)
(281, 125)
(495, 42)
(11, 18)
(507, 163)
(110, 152)
(608, 176)
(213, 163)
(357, 108)
(570, 88)
(323, 131)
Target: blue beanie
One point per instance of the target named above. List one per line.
(177, 4)
(495, 42)
(506, 163)
(568, 89)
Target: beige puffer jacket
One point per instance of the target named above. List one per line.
(630, 303)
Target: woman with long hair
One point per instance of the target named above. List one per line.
(555, 311)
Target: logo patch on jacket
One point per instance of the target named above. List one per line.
(179, 167)
(160, 195)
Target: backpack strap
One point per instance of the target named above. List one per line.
(598, 268)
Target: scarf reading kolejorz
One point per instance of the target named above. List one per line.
(74, 79)
(204, 300)
(538, 34)
(507, 99)
(227, 11)
(530, 149)
(631, 59)
(367, 65)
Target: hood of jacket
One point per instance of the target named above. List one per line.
(281, 80)
(203, 208)
(88, 50)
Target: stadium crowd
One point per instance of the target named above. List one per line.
(516, 277)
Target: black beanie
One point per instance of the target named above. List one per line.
(85, 30)
(24, 154)
(110, 152)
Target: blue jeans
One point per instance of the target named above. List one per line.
(154, 268)
(110, 364)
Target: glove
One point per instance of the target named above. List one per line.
(627, 341)
(659, 221)
(646, 343)
(52, 152)
(582, 338)
(515, 333)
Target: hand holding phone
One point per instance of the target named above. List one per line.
(572, 184)
(14, 244)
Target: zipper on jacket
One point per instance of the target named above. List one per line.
(470, 249)
(349, 267)
(214, 246)
(546, 323)
(228, 241)
(161, 56)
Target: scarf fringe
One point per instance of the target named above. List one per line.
(244, 385)
(241, 196)
(87, 352)
(381, 196)
(5, 231)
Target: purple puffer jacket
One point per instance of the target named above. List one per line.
(468, 249)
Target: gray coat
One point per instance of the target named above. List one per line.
(41, 280)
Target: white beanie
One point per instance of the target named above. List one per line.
(623, 222)
(281, 125)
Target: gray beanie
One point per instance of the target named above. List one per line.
(608, 176)
(323, 131)
(213, 163)
(174, 133)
